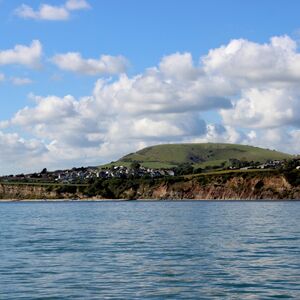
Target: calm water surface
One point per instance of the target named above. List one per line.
(150, 250)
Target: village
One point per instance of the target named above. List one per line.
(81, 175)
(135, 170)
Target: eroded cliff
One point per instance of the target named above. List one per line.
(231, 186)
(235, 188)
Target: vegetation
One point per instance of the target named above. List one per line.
(293, 177)
(290, 172)
(204, 164)
(133, 188)
(114, 188)
(208, 155)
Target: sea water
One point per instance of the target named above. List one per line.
(150, 250)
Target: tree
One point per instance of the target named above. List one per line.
(184, 169)
(44, 171)
(135, 165)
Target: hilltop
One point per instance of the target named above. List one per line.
(199, 171)
(204, 155)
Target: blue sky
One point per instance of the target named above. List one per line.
(138, 35)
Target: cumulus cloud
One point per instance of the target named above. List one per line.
(12, 143)
(45, 12)
(266, 79)
(283, 139)
(256, 97)
(249, 62)
(218, 133)
(128, 113)
(47, 110)
(50, 12)
(77, 4)
(16, 152)
(179, 65)
(265, 108)
(153, 93)
(106, 64)
(23, 55)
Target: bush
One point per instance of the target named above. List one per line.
(293, 177)
(111, 188)
(135, 165)
(71, 189)
(198, 170)
(203, 180)
(184, 169)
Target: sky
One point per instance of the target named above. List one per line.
(84, 82)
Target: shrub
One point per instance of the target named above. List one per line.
(293, 177)
(71, 189)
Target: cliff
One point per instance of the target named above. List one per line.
(236, 188)
(231, 186)
(28, 191)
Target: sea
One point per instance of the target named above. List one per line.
(150, 250)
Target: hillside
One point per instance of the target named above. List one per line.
(199, 155)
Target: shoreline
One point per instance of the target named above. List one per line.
(143, 200)
(262, 186)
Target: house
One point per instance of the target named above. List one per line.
(170, 172)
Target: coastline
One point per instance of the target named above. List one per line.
(141, 200)
(246, 186)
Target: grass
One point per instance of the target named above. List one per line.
(211, 163)
(199, 155)
(117, 188)
(226, 172)
(147, 164)
(42, 183)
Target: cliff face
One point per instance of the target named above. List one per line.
(29, 191)
(220, 187)
(275, 187)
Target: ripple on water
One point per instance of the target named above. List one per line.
(150, 250)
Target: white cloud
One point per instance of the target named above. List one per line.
(252, 63)
(45, 12)
(48, 109)
(50, 12)
(24, 55)
(21, 80)
(179, 66)
(16, 152)
(266, 79)
(2, 77)
(106, 64)
(282, 139)
(152, 93)
(4, 124)
(258, 100)
(265, 108)
(218, 133)
(77, 4)
(152, 107)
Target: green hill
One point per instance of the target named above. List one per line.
(200, 155)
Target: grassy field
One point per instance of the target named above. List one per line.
(146, 164)
(45, 184)
(200, 155)
(236, 172)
